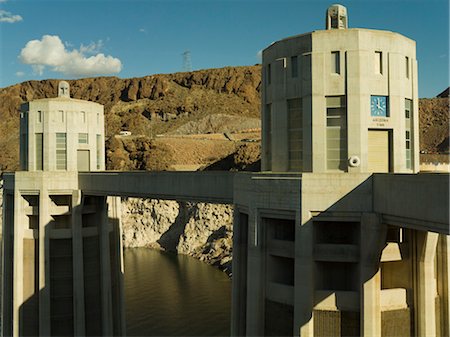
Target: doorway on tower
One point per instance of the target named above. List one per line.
(83, 160)
(379, 151)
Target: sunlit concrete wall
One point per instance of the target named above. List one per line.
(360, 74)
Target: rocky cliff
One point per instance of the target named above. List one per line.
(201, 230)
(205, 101)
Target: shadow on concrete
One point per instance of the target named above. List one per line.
(57, 302)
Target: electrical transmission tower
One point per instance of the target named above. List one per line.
(187, 64)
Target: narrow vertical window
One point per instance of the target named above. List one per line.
(61, 115)
(294, 66)
(61, 151)
(39, 116)
(335, 62)
(99, 150)
(295, 134)
(408, 145)
(269, 74)
(98, 118)
(83, 138)
(407, 66)
(336, 133)
(268, 136)
(306, 66)
(83, 116)
(378, 62)
(39, 140)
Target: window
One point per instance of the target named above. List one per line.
(336, 133)
(306, 66)
(39, 140)
(99, 150)
(295, 133)
(98, 118)
(407, 66)
(61, 151)
(61, 115)
(294, 66)
(408, 145)
(335, 62)
(83, 138)
(269, 74)
(378, 62)
(39, 116)
(83, 116)
(268, 136)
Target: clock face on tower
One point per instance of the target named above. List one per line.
(379, 106)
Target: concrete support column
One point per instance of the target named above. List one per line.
(18, 263)
(256, 276)
(372, 240)
(239, 295)
(304, 279)
(44, 263)
(114, 215)
(426, 253)
(105, 274)
(236, 316)
(445, 279)
(78, 270)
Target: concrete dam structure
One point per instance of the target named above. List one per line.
(339, 235)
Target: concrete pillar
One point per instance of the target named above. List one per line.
(44, 263)
(105, 274)
(304, 279)
(18, 265)
(78, 270)
(256, 276)
(426, 253)
(236, 316)
(372, 240)
(114, 215)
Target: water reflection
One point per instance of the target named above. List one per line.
(174, 295)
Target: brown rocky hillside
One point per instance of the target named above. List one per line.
(205, 101)
(206, 119)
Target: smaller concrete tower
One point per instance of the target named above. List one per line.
(62, 134)
(336, 17)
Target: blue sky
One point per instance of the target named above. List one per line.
(83, 38)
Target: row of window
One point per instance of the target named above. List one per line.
(335, 65)
(61, 149)
(61, 116)
(336, 133)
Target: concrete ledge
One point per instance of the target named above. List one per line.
(280, 293)
(281, 248)
(393, 299)
(336, 300)
(336, 253)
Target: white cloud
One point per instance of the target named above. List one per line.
(142, 30)
(9, 17)
(51, 52)
(92, 48)
(20, 74)
(3, 1)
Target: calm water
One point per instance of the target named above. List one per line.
(174, 295)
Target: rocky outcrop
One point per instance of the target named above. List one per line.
(201, 230)
(145, 106)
